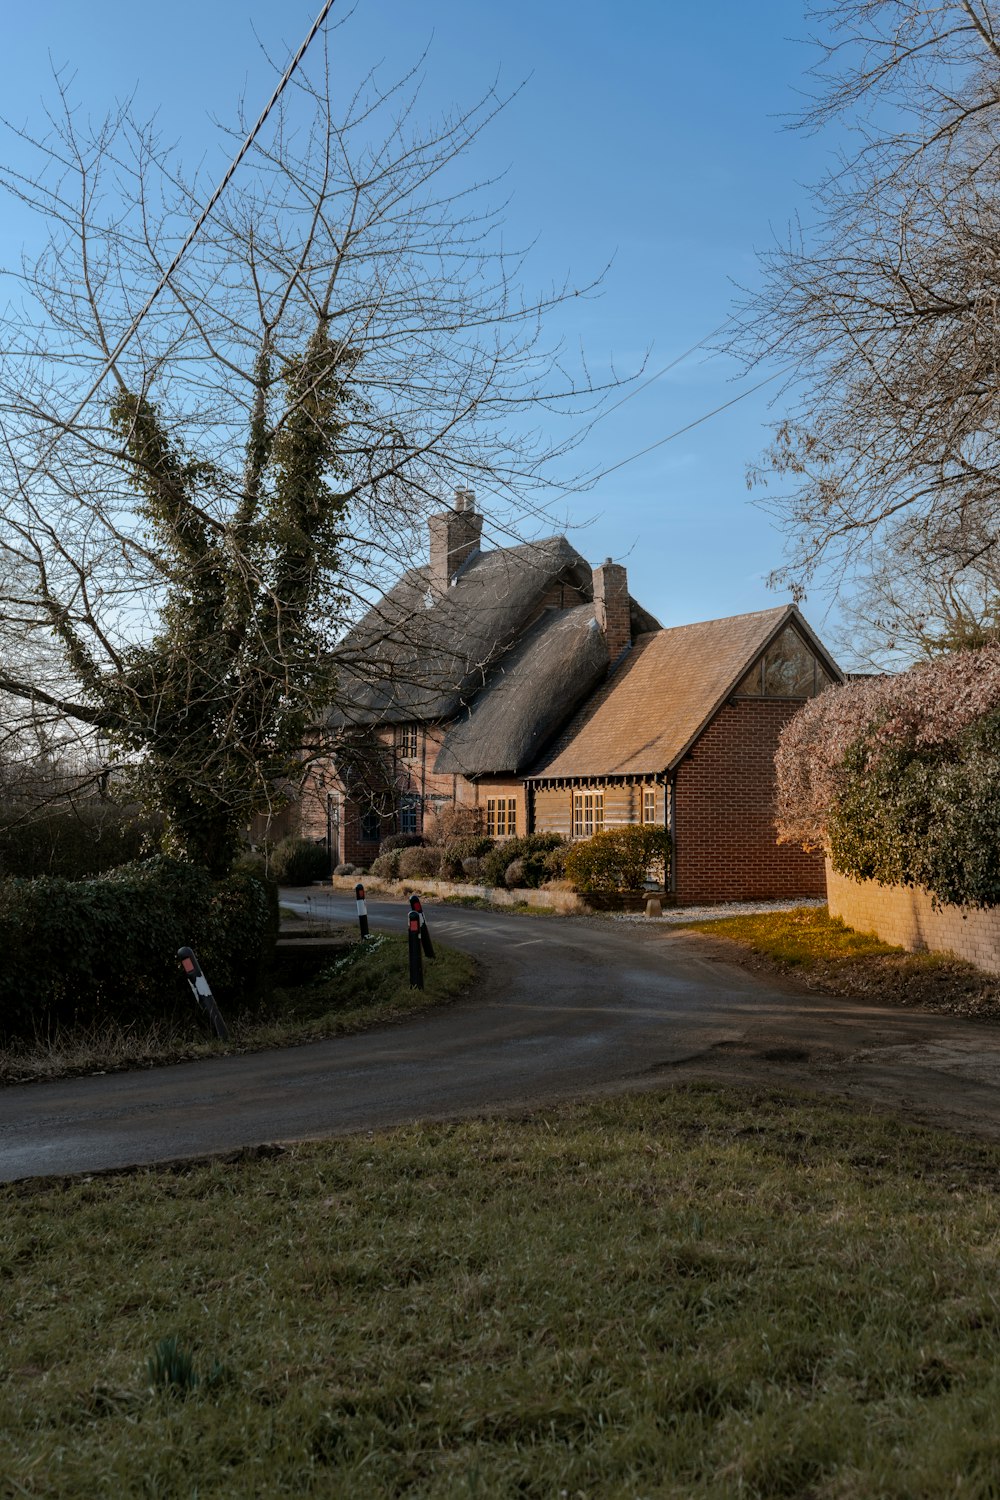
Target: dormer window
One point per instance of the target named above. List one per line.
(787, 669)
(406, 741)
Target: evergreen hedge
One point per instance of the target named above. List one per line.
(86, 952)
(619, 859)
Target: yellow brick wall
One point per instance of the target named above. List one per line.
(904, 916)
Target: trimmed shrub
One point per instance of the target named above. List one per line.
(401, 841)
(555, 863)
(472, 846)
(451, 869)
(386, 866)
(296, 861)
(346, 870)
(472, 869)
(85, 952)
(515, 874)
(74, 842)
(419, 862)
(619, 859)
(531, 848)
(898, 778)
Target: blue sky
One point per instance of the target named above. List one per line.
(647, 134)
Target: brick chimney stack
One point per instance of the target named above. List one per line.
(611, 606)
(454, 537)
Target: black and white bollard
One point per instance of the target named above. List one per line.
(362, 906)
(425, 935)
(416, 957)
(201, 990)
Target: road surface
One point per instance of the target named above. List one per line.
(565, 1007)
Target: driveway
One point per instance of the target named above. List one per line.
(565, 1007)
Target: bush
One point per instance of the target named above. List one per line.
(451, 869)
(74, 842)
(401, 841)
(515, 874)
(86, 952)
(453, 823)
(471, 846)
(472, 869)
(386, 866)
(532, 848)
(619, 859)
(296, 861)
(555, 863)
(346, 870)
(419, 862)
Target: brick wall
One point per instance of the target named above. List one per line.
(904, 915)
(726, 847)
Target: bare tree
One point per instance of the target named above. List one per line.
(344, 343)
(886, 310)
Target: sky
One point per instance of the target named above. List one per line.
(648, 137)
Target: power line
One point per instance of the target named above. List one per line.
(129, 333)
(688, 425)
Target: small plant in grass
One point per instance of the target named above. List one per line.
(171, 1370)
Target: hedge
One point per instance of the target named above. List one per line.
(87, 952)
(531, 848)
(619, 859)
(898, 778)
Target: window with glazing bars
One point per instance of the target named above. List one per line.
(588, 814)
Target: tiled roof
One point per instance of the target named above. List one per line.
(645, 717)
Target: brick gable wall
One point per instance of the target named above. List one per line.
(724, 813)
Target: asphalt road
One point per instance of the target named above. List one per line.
(566, 1007)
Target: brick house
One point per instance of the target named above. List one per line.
(684, 734)
(526, 683)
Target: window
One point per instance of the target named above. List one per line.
(406, 741)
(409, 813)
(588, 814)
(787, 669)
(371, 826)
(649, 804)
(501, 817)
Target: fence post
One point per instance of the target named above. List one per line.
(425, 934)
(362, 906)
(202, 992)
(416, 957)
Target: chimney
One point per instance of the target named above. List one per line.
(454, 537)
(611, 607)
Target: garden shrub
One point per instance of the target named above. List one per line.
(619, 859)
(472, 869)
(72, 841)
(532, 848)
(86, 952)
(414, 862)
(296, 861)
(386, 866)
(453, 823)
(401, 841)
(471, 846)
(898, 778)
(346, 870)
(515, 874)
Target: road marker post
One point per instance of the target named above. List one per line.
(362, 906)
(416, 956)
(202, 991)
(425, 933)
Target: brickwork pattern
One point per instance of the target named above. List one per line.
(725, 841)
(612, 608)
(904, 916)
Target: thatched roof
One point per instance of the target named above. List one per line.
(671, 684)
(416, 656)
(530, 695)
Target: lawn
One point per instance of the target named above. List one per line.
(698, 1293)
(362, 985)
(820, 950)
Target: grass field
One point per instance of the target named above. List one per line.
(808, 942)
(366, 985)
(700, 1293)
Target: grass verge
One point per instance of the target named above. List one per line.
(824, 954)
(703, 1293)
(480, 903)
(367, 985)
